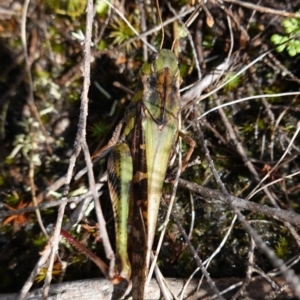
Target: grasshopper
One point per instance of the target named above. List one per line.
(138, 163)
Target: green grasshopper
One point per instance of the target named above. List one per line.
(138, 163)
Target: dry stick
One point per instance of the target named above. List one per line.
(209, 18)
(79, 136)
(196, 256)
(44, 205)
(275, 126)
(41, 263)
(278, 66)
(193, 215)
(195, 92)
(240, 149)
(252, 17)
(60, 215)
(251, 168)
(104, 150)
(82, 133)
(184, 27)
(209, 194)
(99, 36)
(242, 204)
(33, 109)
(277, 263)
(199, 48)
(141, 5)
(259, 271)
(30, 99)
(264, 100)
(207, 261)
(264, 9)
(228, 59)
(288, 140)
(162, 29)
(102, 224)
(78, 214)
(256, 189)
(158, 27)
(230, 14)
(188, 98)
(241, 100)
(89, 254)
(161, 282)
(249, 271)
(74, 218)
(33, 194)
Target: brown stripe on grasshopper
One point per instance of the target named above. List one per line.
(138, 200)
(156, 128)
(151, 129)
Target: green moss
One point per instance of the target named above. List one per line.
(290, 41)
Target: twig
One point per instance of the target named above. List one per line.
(190, 96)
(102, 224)
(264, 9)
(33, 195)
(184, 27)
(27, 285)
(249, 271)
(209, 194)
(158, 27)
(77, 145)
(141, 5)
(197, 258)
(245, 99)
(30, 98)
(89, 254)
(277, 263)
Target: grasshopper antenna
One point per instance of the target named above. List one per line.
(162, 28)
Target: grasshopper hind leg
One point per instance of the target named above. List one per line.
(119, 182)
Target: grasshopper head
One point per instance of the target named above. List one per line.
(161, 60)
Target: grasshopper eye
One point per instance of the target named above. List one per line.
(152, 58)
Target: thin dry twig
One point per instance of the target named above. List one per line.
(290, 276)
(40, 264)
(102, 224)
(249, 271)
(197, 258)
(33, 195)
(28, 62)
(77, 145)
(264, 9)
